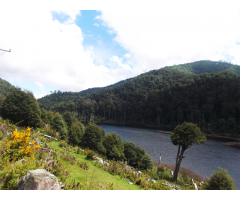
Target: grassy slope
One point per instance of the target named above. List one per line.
(94, 175)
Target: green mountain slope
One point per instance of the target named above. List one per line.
(57, 97)
(166, 97)
(205, 66)
(4, 87)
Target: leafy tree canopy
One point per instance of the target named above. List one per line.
(114, 146)
(220, 180)
(21, 106)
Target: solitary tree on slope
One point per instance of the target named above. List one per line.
(185, 135)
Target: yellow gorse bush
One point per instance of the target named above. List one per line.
(20, 145)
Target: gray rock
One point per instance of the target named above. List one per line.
(38, 179)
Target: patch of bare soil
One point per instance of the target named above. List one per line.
(181, 170)
(232, 144)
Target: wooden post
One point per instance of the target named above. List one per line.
(159, 162)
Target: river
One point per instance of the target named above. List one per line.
(202, 159)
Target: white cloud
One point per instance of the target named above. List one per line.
(69, 14)
(176, 33)
(48, 53)
(41, 86)
(96, 24)
(120, 63)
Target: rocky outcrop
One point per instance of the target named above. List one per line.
(38, 179)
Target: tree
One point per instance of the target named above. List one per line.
(93, 137)
(68, 119)
(136, 156)
(185, 135)
(21, 106)
(75, 134)
(146, 162)
(114, 146)
(59, 125)
(220, 180)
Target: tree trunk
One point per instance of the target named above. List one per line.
(159, 163)
(178, 163)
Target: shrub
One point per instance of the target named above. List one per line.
(19, 146)
(21, 107)
(58, 169)
(83, 165)
(11, 174)
(69, 158)
(89, 154)
(63, 144)
(220, 180)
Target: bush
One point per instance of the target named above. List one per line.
(220, 180)
(63, 144)
(11, 174)
(83, 165)
(89, 154)
(69, 158)
(19, 146)
(58, 169)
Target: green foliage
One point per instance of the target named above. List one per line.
(21, 106)
(4, 87)
(63, 144)
(13, 172)
(59, 125)
(93, 137)
(136, 156)
(75, 134)
(68, 119)
(220, 180)
(69, 158)
(83, 165)
(187, 134)
(166, 97)
(114, 146)
(146, 162)
(89, 154)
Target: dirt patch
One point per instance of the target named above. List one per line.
(232, 144)
(182, 170)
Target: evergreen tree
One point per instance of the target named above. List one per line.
(59, 125)
(136, 156)
(114, 146)
(68, 119)
(185, 135)
(220, 180)
(21, 106)
(93, 138)
(75, 134)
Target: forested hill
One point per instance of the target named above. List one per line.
(4, 87)
(165, 98)
(57, 97)
(205, 66)
(198, 67)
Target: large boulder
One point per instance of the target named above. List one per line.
(38, 179)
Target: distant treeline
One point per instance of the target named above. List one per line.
(165, 98)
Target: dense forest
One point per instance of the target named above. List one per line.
(195, 92)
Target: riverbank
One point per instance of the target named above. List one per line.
(131, 125)
(182, 170)
(228, 141)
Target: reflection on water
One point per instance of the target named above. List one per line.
(202, 159)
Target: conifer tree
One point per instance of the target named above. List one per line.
(93, 138)
(59, 125)
(114, 146)
(21, 106)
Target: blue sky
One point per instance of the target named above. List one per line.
(73, 50)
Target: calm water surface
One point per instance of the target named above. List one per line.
(202, 159)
